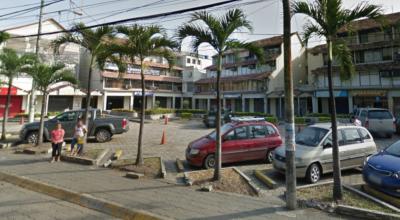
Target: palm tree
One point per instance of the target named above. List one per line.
(11, 65)
(326, 18)
(142, 42)
(4, 36)
(96, 42)
(45, 76)
(217, 32)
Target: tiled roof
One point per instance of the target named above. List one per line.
(256, 76)
(115, 75)
(365, 24)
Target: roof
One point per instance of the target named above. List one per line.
(256, 76)
(366, 24)
(328, 125)
(34, 23)
(115, 75)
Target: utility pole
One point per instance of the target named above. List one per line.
(32, 95)
(291, 200)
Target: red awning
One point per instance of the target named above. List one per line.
(4, 90)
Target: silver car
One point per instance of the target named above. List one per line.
(313, 155)
(377, 120)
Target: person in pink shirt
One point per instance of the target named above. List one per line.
(57, 140)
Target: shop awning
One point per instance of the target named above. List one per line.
(369, 93)
(325, 93)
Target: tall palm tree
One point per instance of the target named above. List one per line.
(142, 42)
(326, 18)
(96, 42)
(216, 31)
(45, 76)
(4, 36)
(11, 65)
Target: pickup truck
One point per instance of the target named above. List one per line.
(101, 126)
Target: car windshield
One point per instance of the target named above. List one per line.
(224, 129)
(379, 114)
(311, 136)
(394, 149)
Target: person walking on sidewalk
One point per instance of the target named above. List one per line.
(79, 138)
(57, 140)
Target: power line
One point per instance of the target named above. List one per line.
(30, 9)
(146, 17)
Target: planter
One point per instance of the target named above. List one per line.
(86, 160)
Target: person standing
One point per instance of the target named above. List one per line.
(57, 140)
(79, 138)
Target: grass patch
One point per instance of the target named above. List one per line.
(324, 193)
(230, 181)
(92, 154)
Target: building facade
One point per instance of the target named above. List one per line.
(248, 86)
(376, 56)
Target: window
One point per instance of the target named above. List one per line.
(379, 114)
(198, 62)
(352, 136)
(258, 131)
(68, 116)
(188, 60)
(237, 134)
(328, 140)
(311, 136)
(364, 134)
(270, 130)
(363, 114)
(193, 61)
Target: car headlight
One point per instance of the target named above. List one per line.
(194, 151)
(396, 175)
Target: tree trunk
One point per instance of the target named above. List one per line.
(6, 110)
(88, 95)
(291, 200)
(337, 184)
(139, 156)
(42, 112)
(218, 151)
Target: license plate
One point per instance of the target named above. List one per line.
(375, 179)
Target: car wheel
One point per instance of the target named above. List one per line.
(103, 135)
(32, 137)
(270, 156)
(209, 162)
(313, 173)
(389, 135)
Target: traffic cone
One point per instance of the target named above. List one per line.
(163, 138)
(165, 119)
(21, 121)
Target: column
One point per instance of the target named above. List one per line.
(181, 102)
(251, 105)
(265, 105)
(314, 104)
(173, 102)
(131, 102)
(280, 107)
(243, 104)
(350, 101)
(193, 103)
(153, 101)
(105, 101)
(223, 103)
(208, 104)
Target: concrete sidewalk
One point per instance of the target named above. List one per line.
(155, 196)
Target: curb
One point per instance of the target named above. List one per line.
(248, 180)
(179, 166)
(364, 213)
(83, 160)
(265, 179)
(386, 198)
(85, 200)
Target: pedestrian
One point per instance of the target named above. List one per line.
(79, 138)
(57, 140)
(354, 120)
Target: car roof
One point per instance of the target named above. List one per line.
(235, 123)
(328, 125)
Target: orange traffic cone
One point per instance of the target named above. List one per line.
(165, 119)
(163, 138)
(21, 121)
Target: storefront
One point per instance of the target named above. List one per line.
(341, 99)
(15, 106)
(370, 99)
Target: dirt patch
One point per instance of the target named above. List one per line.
(151, 168)
(324, 193)
(230, 181)
(92, 154)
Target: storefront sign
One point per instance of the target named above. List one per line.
(325, 94)
(369, 93)
(232, 96)
(139, 93)
(4, 91)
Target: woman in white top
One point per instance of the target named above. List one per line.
(79, 136)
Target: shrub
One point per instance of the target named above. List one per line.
(159, 111)
(122, 110)
(186, 115)
(324, 119)
(273, 119)
(318, 115)
(261, 114)
(299, 120)
(193, 111)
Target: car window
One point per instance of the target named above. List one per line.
(328, 140)
(67, 116)
(224, 129)
(311, 136)
(351, 136)
(364, 134)
(379, 114)
(258, 131)
(237, 134)
(363, 114)
(270, 130)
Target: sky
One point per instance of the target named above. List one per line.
(265, 15)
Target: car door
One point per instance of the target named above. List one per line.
(326, 153)
(362, 117)
(351, 153)
(68, 121)
(263, 138)
(234, 145)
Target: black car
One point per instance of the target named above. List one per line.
(210, 118)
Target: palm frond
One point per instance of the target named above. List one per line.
(64, 39)
(199, 35)
(4, 36)
(343, 55)
(235, 20)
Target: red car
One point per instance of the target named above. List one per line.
(241, 141)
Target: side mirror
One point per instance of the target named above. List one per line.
(327, 145)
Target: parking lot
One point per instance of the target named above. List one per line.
(180, 133)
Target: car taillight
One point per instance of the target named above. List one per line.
(124, 123)
(366, 125)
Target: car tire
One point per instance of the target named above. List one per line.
(32, 137)
(270, 156)
(209, 162)
(389, 135)
(103, 135)
(314, 173)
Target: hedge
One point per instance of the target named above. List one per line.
(159, 111)
(186, 115)
(318, 115)
(299, 120)
(193, 111)
(272, 119)
(122, 110)
(324, 119)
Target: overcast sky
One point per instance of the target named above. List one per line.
(266, 15)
